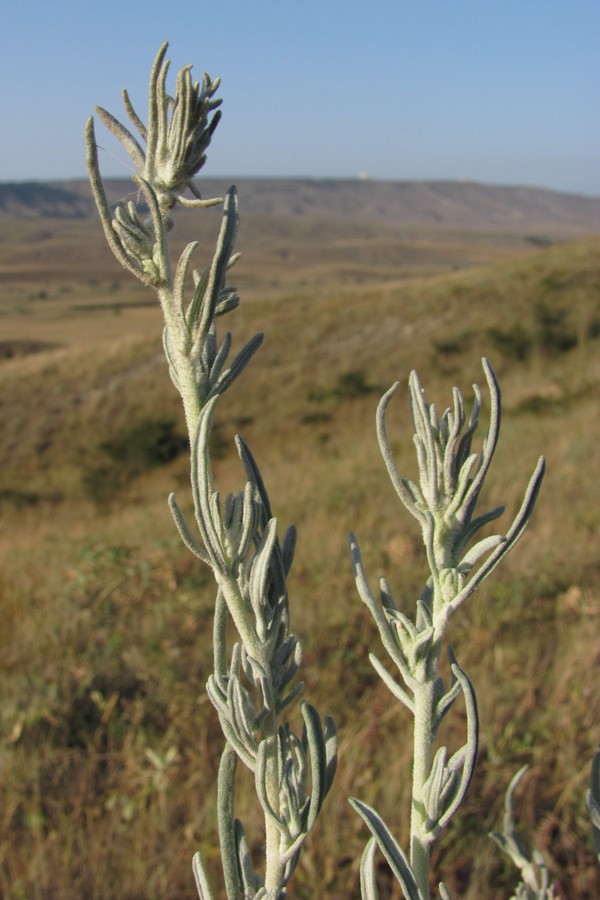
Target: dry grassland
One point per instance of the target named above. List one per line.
(109, 746)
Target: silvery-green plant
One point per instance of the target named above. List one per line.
(252, 685)
(535, 883)
(253, 682)
(593, 801)
(444, 503)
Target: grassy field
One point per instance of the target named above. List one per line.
(109, 745)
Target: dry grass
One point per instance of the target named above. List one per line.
(105, 646)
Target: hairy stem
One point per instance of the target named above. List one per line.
(274, 872)
(422, 745)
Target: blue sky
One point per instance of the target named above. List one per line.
(499, 91)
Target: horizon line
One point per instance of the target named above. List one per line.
(362, 178)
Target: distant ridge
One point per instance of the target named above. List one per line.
(461, 205)
(39, 200)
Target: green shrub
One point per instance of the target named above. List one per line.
(147, 445)
(554, 333)
(353, 384)
(514, 343)
(453, 346)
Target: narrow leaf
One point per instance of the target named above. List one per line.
(238, 365)
(388, 845)
(126, 138)
(398, 692)
(201, 878)
(184, 531)
(368, 881)
(318, 763)
(226, 820)
(512, 536)
(398, 482)
(253, 475)
(251, 883)
(465, 758)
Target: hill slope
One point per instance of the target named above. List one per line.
(106, 637)
(427, 204)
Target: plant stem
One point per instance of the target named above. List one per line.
(237, 537)
(273, 869)
(188, 389)
(225, 801)
(422, 744)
